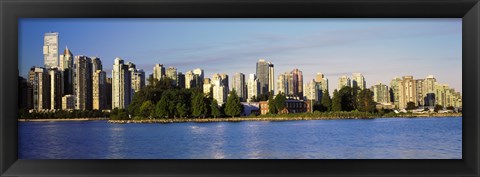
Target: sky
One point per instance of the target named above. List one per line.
(380, 49)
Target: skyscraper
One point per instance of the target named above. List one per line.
(99, 90)
(158, 71)
(138, 78)
(56, 88)
(313, 91)
(181, 80)
(82, 83)
(121, 85)
(282, 84)
(50, 50)
(381, 93)
(220, 90)
(96, 64)
(343, 81)
(271, 78)
(40, 81)
(263, 70)
(407, 91)
(419, 83)
(66, 67)
(253, 87)
(395, 91)
(358, 81)
(240, 86)
(320, 78)
(108, 93)
(297, 77)
(172, 74)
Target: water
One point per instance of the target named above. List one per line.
(393, 138)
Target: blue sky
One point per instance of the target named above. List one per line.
(380, 49)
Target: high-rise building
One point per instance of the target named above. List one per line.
(172, 74)
(99, 90)
(24, 93)
(313, 91)
(282, 84)
(419, 83)
(121, 85)
(68, 102)
(358, 81)
(50, 50)
(220, 89)
(407, 91)
(56, 88)
(158, 71)
(181, 80)
(189, 79)
(66, 66)
(381, 93)
(96, 64)
(40, 81)
(395, 91)
(343, 81)
(263, 70)
(82, 82)
(108, 93)
(320, 78)
(253, 87)
(297, 83)
(207, 87)
(271, 78)
(138, 79)
(240, 86)
(429, 84)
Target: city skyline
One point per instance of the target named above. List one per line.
(435, 42)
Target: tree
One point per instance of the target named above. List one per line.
(336, 101)
(181, 110)
(233, 107)
(438, 108)
(271, 104)
(253, 99)
(147, 109)
(280, 102)
(411, 106)
(365, 101)
(326, 102)
(198, 105)
(214, 109)
(161, 109)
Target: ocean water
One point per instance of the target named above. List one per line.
(382, 138)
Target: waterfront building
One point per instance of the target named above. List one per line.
(262, 73)
(181, 80)
(158, 71)
(172, 74)
(194, 79)
(50, 50)
(313, 91)
(96, 64)
(66, 67)
(343, 81)
(56, 88)
(297, 83)
(358, 81)
(24, 93)
(381, 93)
(320, 78)
(40, 82)
(68, 102)
(419, 83)
(108, 93)
(121, 86)
(82, 83)
(199, 77)
(220, 87)
(253, 87)
(271, 78)
(240, 86)
(395, 91)
(407, 91)
(281, 84)
(99, 90)
(207, 87)
(291, 106)
(138, 79)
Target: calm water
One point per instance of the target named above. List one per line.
(394, 138)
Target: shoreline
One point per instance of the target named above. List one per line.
(60, 119)
(240, 119)
(237, 119)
